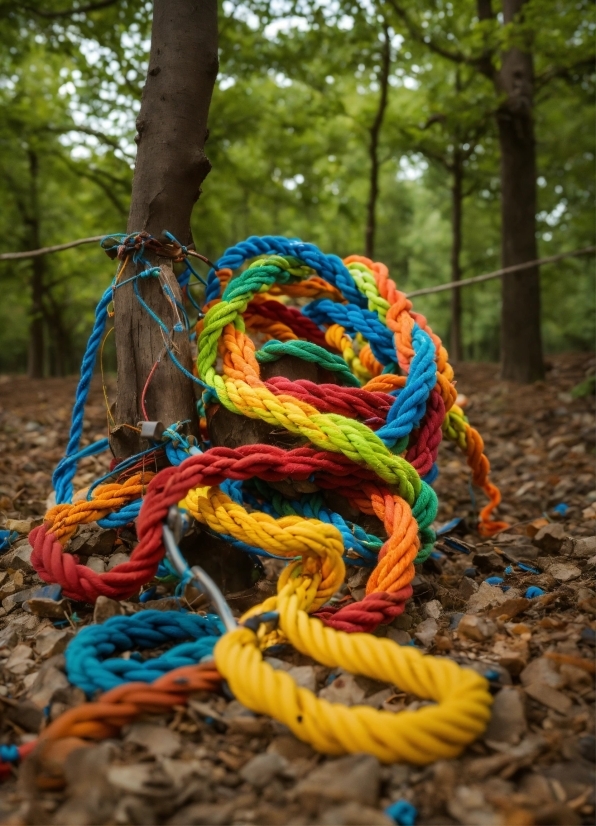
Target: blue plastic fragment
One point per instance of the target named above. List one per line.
(6, 539)
(522, 566)
(49, 592)
(449, 526)
(9, 754)
(509, 570)
(148, 594)
(492, 674)
(561, 508)
(402, 812)
(494, 580)
(533, 592)
(457, 546)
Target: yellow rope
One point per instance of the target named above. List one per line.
(433, 732)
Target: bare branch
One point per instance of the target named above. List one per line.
(13, 256)
(101, 4)
(478, 279)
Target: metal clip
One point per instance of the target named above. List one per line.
(152, 431)
(203, 580)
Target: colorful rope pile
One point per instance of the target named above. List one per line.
(370, 433)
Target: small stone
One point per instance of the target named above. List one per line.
(510, 608)
(91, 541)
(7, 588)
(290, 748)
(14, 600)
(203, 814)
(20, 525)
(304, 676)
(47, 682)
(354, 814)
(487, 561)
(261, 769)
(21, 655)
(403, 623)
(398, 636)
(344, 689)
(512, 655)
(468, 805)
(508, 717)
(584, 547)
(144, 779)
(46, 602)
(433, 609)
(423, 588)
(487, 596)
(106, 608)
(96, 564)
(356, 777)
(467, 587)
(476, 628)
(564, 571)
(53, 641)
(26, 715)
(542, 670)
(550, 538)
(117, 559)
(426, 632)
(550, 697)
(20, 559)
(158, 740)
(576, 678)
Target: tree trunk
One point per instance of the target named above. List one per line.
(521, 344)
(35, 363)
(373, 151)
(171, 166)
(456, 351)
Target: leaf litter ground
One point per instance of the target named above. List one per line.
(215, 763)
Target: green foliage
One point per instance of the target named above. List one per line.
(289, 143)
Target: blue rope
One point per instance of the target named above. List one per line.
(330, 267)
(66, 469)
(92, 666)
(410, 403)
(355, 320)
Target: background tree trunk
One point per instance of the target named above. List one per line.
(35, 363)
(171, 166)
(455, 350)
(521, 343)
(375, 133)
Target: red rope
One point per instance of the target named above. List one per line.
(366, 615)
(298, 323)
(272, 464)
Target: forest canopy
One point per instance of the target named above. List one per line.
(309, 99)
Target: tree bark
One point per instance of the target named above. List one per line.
(35, 363)
(373, 151)
(456, 350)
(171, 166)
(521, 343)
